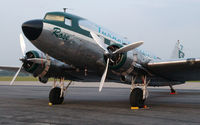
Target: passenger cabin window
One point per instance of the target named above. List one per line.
(68, 22)
(55, 18)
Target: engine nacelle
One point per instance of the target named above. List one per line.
(124, 64)
(45, 69)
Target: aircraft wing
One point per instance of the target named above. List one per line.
(178, 70)
(11, 68)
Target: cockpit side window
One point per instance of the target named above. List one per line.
(68, 22)
(55, 17)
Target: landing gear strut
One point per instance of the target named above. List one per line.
(173, 91)
(56, 95)
(138, 95)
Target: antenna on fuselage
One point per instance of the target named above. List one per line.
(65, 9)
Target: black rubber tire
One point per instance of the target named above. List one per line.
(54, 96)
(136, 98)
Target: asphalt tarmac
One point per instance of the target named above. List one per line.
(84, 105)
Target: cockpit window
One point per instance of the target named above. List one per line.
(55, 17)
(68, 22)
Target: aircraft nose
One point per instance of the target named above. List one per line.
(32, 29)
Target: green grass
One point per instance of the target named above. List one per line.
(193, 81)
(20, 78)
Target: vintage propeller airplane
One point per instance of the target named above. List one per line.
(76, 49)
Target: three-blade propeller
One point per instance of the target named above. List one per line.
(106, 52)
(23, 49)
(24, 59)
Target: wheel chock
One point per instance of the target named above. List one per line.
(50, 104)
(134, 108)
(172, 93)
(145, 107)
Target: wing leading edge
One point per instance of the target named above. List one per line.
(177, 70)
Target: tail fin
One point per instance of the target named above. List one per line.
(178, 51)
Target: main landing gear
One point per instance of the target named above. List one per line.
(56, 95)
(138, 95)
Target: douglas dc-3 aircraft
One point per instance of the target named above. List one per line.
(76, 49)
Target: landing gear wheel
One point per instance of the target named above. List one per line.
(136, 98)
(54, 96)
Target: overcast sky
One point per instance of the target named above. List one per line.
(159, 23)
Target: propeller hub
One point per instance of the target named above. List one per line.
(116, 59)
(23, 59)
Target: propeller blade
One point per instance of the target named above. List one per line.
(37, 60)
(23, 49)
(104, 76)
(11, 83)
(99, 41)
(22, 44)
(129, 47)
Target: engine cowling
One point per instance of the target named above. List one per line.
(45, 69)
(124, 64)
(117, 60)
(121, 62)
(28, 65)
